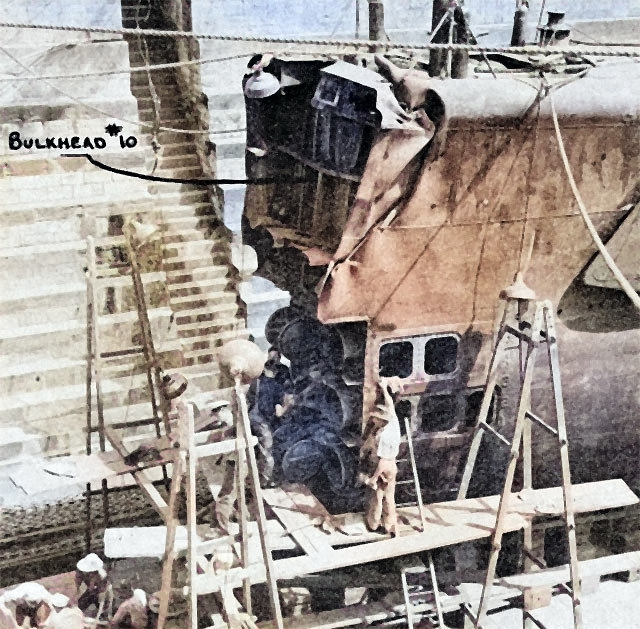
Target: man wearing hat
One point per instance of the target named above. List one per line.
(133, 612)
(92, 579)
(28, 600)
(214, 416)
(382, 443)
(62, 616)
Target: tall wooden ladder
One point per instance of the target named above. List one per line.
(531, 323)
(97, 358)
(413, 577)
(207, 581)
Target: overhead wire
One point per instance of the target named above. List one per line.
(112, 116)
(156, 66)
(604, 51)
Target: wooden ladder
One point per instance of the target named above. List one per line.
(243, 446)
(96, 358)
(532, 324)
(419, 570)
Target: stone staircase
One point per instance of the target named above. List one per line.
(195, 243)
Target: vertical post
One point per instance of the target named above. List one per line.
(170, 540)
(95, 334)
(437, 58)
(554, 363)
(191, 521)
(376, 20)
(527, 472)
(519, 22)
(414, 471)
(262, 518)
(357, 19)
(241, 478)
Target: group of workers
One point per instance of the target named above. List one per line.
(32, 603)
(272, 398)
(285, 415)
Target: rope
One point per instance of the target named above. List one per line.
(157, 66)
(620, 278)
(113, 116)
(604, 51)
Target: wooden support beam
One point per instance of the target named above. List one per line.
(448, 523)
(141, 477)
(297, 523)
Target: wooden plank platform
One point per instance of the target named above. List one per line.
(448, 523)
(550, 577)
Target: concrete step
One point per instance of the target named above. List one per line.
(190, 248)
(204, 301)
(184, 160)
(33, 374)
(72, 311)
(203, 379)
(174, 137)
(38, 296)
(35, 233)
(181, 276)
(193, 171)
(232, 120)
(208, 286)
(36, 406)
(170, 196)
(167, 112)
(187, 234)
(173, 226)
(67, 338)
(189, 263)
(208, 355)
(177, 149)
(212, 313)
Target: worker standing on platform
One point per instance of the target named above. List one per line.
(382, 443)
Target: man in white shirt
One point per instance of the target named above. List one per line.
(62, 616)
(132, 612)
(384, 444)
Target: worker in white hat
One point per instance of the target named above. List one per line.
(29, 600)
(92, 579)
(62, 616)
(384, 439)
(7, 617)
(133, 612)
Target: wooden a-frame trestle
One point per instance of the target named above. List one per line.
(531, 324)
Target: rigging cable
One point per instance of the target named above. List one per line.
(114, 117)
(604, 51)
(609, 261)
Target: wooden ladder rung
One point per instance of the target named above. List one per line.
(523, 336)
(131, 424)
(126, 351)
(541, 422)
(495, 433)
